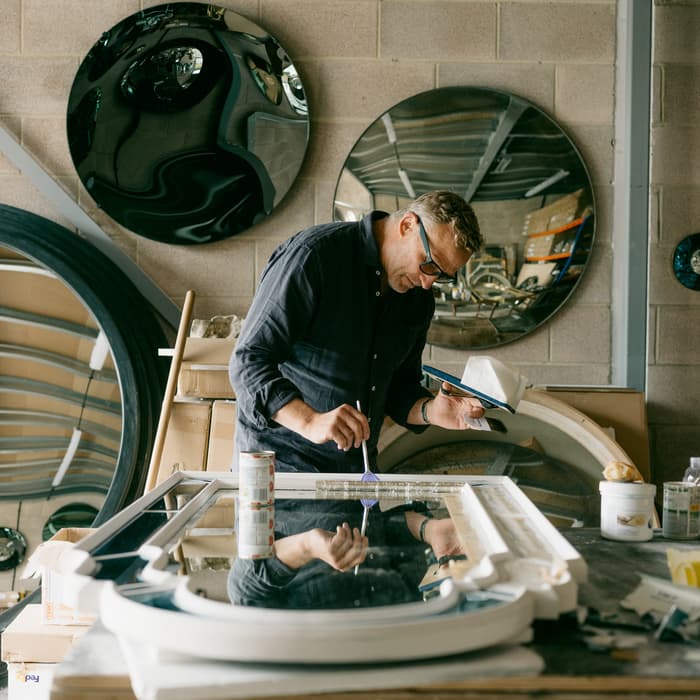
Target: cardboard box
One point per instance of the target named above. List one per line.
(47, 562)
(561, 211)
(29, 681)
(186, 439)
(27, 638)
(204, 369)
(221, 432)
(623, 410)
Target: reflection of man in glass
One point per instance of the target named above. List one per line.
(341, 315)
(318, 544)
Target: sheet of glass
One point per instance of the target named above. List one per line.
(321, 560)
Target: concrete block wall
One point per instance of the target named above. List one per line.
(357, 58)
(673, 393)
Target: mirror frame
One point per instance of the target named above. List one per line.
(220, 630)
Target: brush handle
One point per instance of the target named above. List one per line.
(365, 456)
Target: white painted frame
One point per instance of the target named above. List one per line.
(212, 629)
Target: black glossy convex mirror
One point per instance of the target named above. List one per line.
(187, 123)
(526, 181)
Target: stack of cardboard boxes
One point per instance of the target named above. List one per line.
(42, 633)
(203, 417)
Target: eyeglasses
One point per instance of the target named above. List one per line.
(429, 266)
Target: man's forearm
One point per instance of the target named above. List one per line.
(419, 413)
(295, 415)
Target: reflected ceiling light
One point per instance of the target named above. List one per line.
(99, 352)
(559, 175)
(391, 135)
(67, 458)
(503, 164)
(389, 126)
(407, 183)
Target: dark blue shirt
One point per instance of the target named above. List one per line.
(320, 329)
(390, 574)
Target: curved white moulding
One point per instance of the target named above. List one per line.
(267, 638)
(162, 567)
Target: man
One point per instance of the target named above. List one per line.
(341, 315)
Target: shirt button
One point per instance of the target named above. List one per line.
(373, 388)
(376, 294)
(378, 273)
(374, 357)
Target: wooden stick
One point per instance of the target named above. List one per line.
(170, 389)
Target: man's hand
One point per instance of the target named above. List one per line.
(345, 425)
(449, 408)
(342, 549)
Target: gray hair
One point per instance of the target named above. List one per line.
(445, 207)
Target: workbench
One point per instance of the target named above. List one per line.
(570, 670)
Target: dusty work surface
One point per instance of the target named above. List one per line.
(614, 571)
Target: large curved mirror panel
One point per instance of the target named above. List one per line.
(526, 181)
(80, 385)
(187, 123)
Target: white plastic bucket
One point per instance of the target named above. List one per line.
(626, 510)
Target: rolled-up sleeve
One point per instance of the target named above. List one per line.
(281, 310)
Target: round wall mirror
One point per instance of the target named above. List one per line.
(187, 123)
(81, 383)
(526, 181)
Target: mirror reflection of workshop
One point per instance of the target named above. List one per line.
(349, 361)
(526, 180)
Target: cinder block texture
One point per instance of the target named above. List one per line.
(679, 336)
(229, 265)
(47, 140)
(680, 212)
(366, 89)
(438, 31)
(676, 158)
(10, 27)
(531, 81)
(676, 31)
(67, 27)
(673, 393)
(681, 100)
(323, 28)
(584, 93)
(581, 334)
(36, 85)
(566, 32)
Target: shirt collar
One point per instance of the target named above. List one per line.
(367, 233)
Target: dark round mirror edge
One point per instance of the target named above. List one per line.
(590, 192)
(133, 332)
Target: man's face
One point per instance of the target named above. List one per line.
(410, 264)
